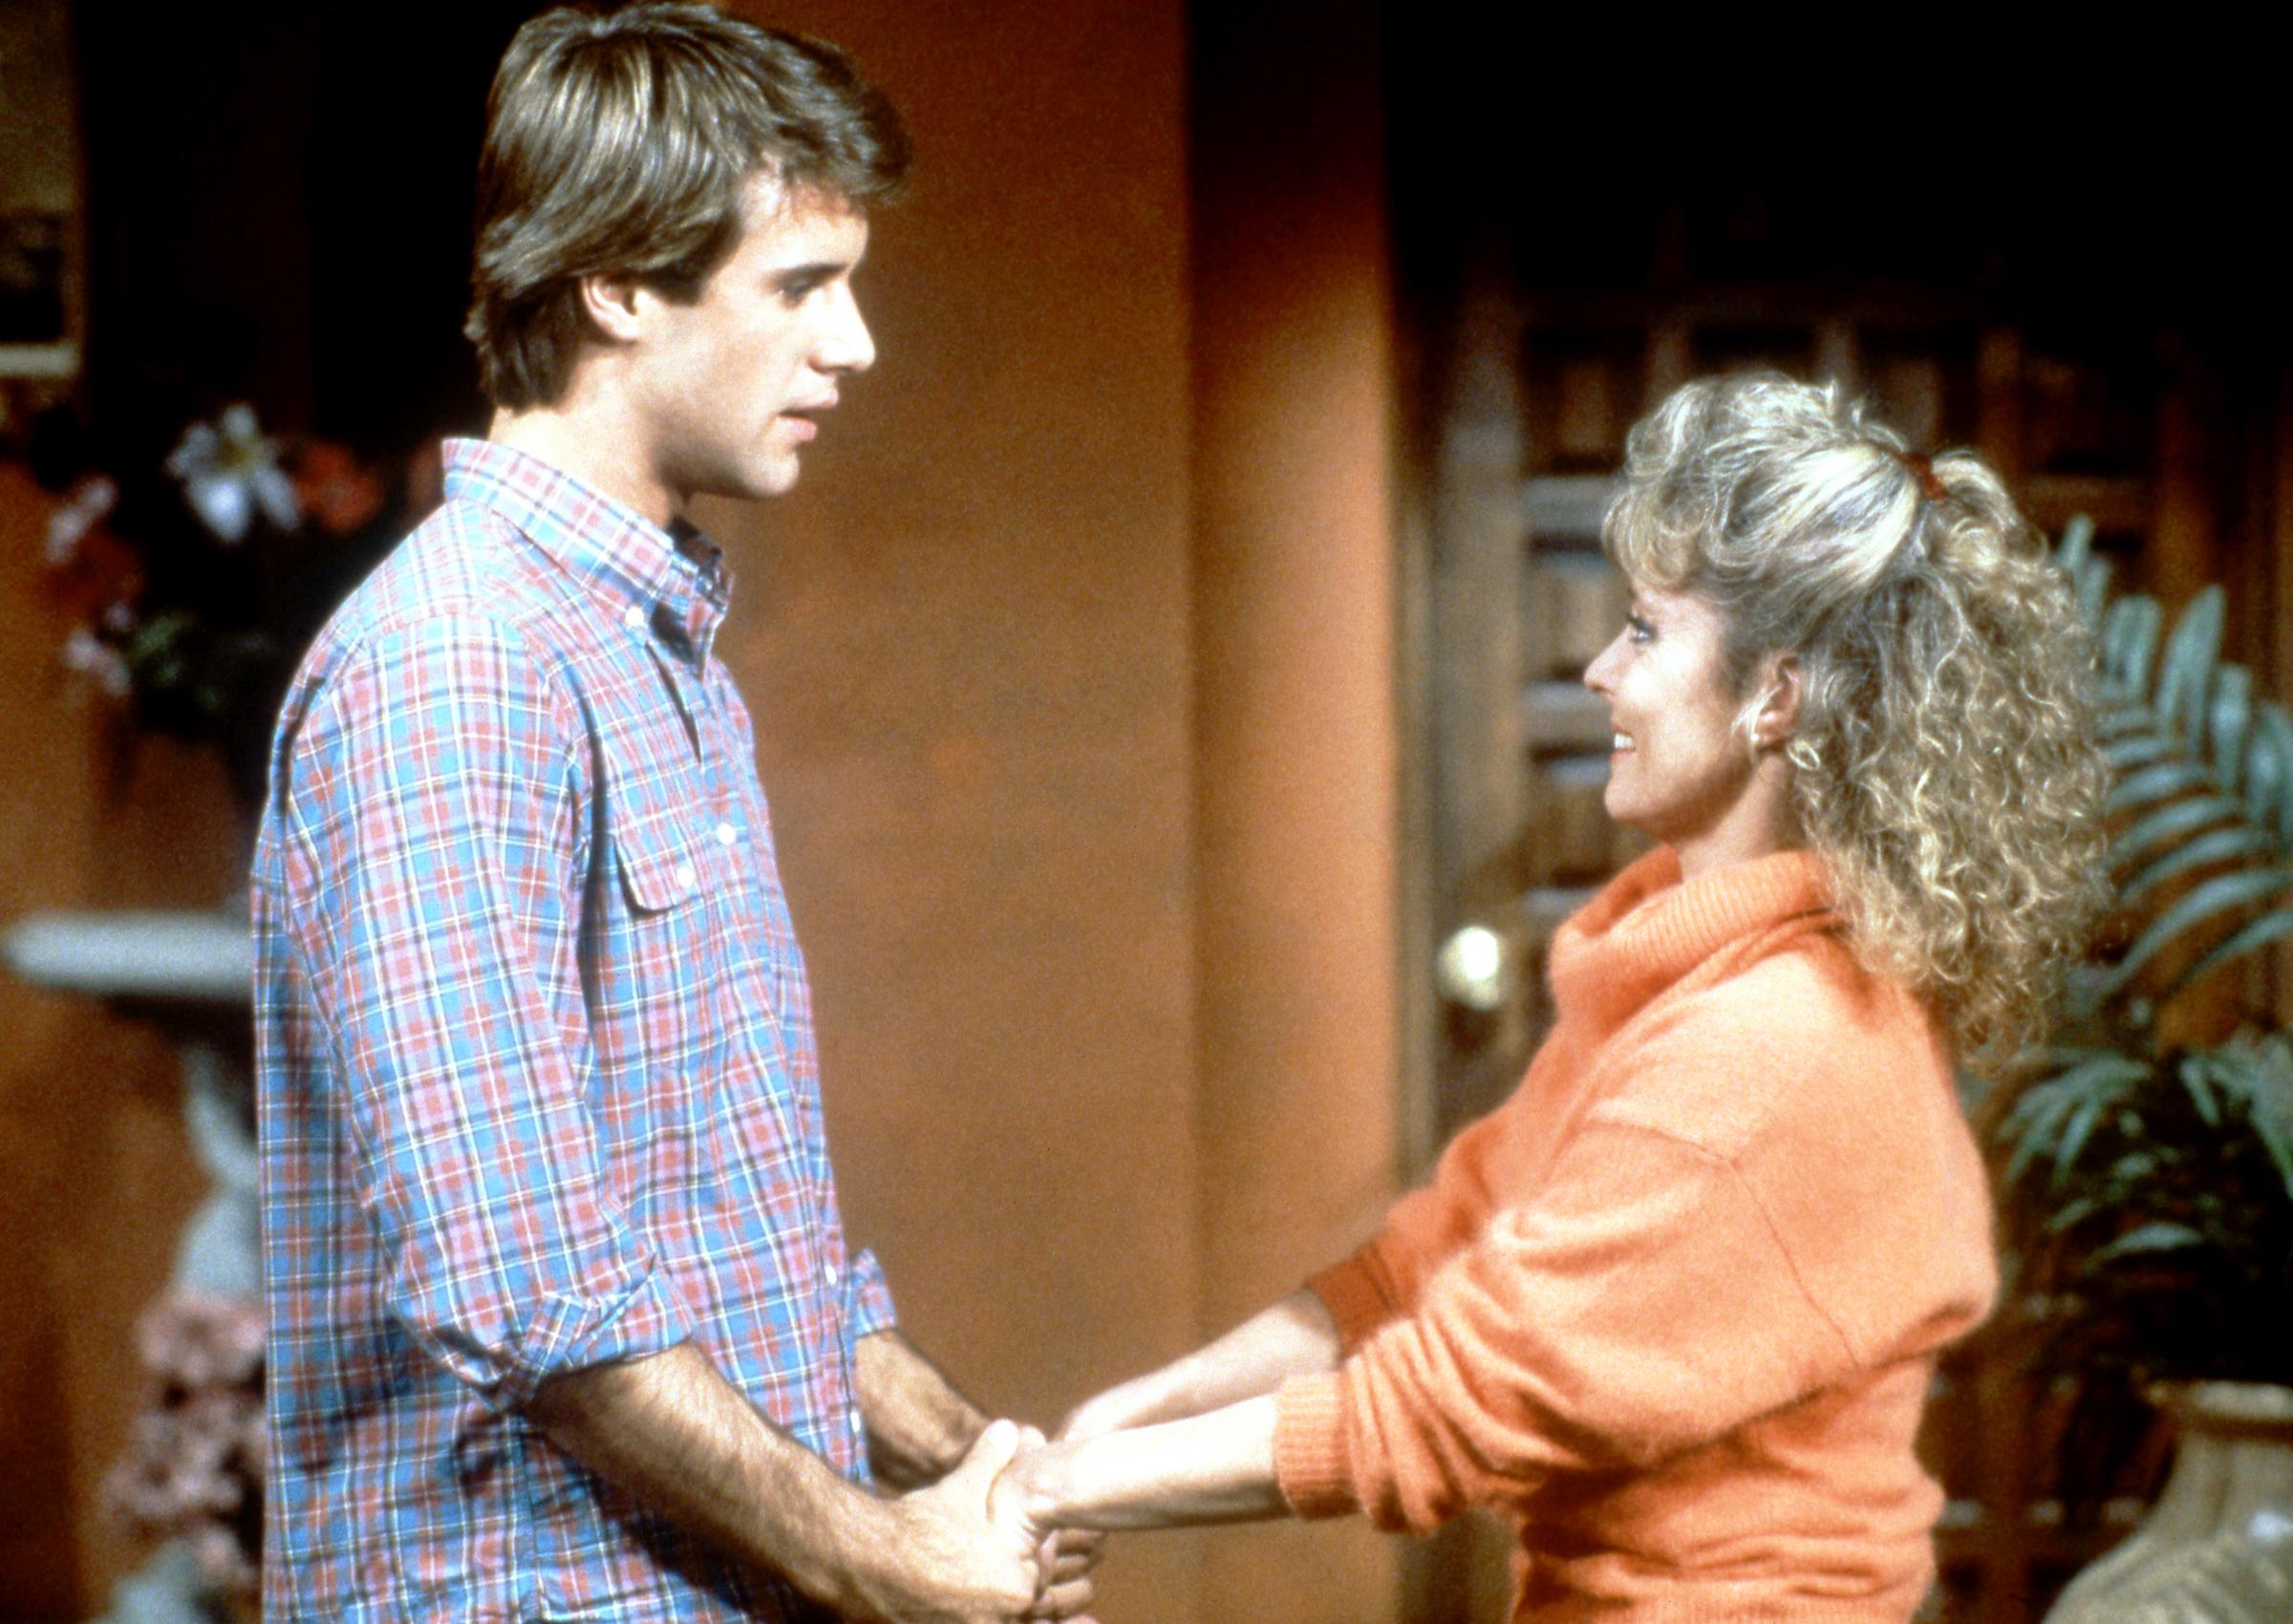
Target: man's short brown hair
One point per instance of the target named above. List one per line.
(624, 142)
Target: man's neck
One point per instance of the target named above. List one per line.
(579, 438)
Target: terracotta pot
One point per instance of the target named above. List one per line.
(2217, 1547)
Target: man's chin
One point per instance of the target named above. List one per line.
(756, 482)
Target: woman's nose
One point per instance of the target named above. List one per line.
(1598, 676)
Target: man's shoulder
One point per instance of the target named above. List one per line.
(464, 571)
(464, 560)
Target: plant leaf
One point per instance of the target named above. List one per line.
(2274, 925)
(2222, 894)
(2147, 1239)
(2169, 822)
(2130, 633)
(2099, 1078)
(2149, 786)
(2199, 1084)
(2228, 721)
(2213, 845)
(2090, 585)
(2131, 750)
(2192, 652)
(2272, 1132)
(2270, 756)
(2076, 546)
(2117, 720)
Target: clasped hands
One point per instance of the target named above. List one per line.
(1142, 1455)
(977, 1540)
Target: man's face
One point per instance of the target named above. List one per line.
(732, 385)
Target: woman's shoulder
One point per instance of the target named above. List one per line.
(1795, 1036)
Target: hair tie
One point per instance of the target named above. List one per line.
(1923, 469)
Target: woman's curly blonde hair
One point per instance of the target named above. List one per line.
(1944, 762)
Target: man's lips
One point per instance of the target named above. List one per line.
(803, 420)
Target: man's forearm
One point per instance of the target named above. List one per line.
(670, 1432)
(918, 1424)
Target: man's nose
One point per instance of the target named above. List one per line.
(845, 344)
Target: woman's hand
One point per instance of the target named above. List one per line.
(1026, 1496)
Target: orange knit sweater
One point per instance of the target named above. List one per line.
(1674, 1305)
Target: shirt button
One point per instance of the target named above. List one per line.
(727, 834)
(633, 618)
(827, 1272)
(686, 874)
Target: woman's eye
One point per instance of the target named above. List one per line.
(1638, 630)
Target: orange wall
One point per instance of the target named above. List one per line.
(965, 639)
(1296, 763)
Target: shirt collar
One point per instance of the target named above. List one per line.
(673, 586)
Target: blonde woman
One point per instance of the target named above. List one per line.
(1673, 1308)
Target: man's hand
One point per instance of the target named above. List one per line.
(673, 1434)
(918, 1424)
(943, 1557)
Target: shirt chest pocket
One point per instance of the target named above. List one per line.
(656, 818)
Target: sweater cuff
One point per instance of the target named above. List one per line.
(1310, 1464)
(1356, 1300)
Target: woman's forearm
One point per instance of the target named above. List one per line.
(1216, 1468)
(1295, 1336)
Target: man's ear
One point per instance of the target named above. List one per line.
(610, 300)
(1778, 717)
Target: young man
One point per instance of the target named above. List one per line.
(562, 1319)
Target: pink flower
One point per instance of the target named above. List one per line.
(198, 1340)
(194, 1463)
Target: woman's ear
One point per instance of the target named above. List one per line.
(1778, 717)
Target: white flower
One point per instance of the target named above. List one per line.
(85, 652)
(84, 506)
(229, 469)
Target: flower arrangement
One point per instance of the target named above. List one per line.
(193, 1469)
(192, 586)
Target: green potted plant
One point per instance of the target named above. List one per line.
(2147, 1154)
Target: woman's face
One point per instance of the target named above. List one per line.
(1679, 771)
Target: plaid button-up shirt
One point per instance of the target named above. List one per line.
(537, 1082)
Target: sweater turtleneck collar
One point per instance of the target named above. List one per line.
(1648, 927)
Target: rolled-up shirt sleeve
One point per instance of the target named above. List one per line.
(438, 802)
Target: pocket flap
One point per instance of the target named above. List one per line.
(654, 821)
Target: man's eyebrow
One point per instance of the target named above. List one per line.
(812, 270)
